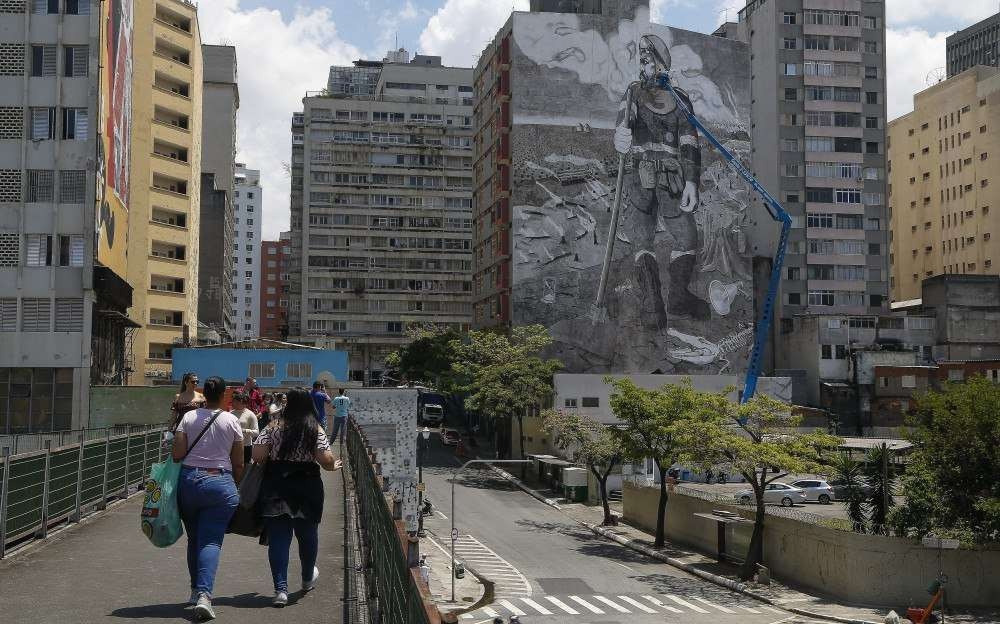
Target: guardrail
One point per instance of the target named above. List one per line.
(71, 473)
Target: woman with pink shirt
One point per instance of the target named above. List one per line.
(212, 440)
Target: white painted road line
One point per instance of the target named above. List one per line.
(748, 609)
(490, 612)
(562, 605)
(714, 606)
(534, 605)
(506, 604)
(586, 605)
(661, 605)
(614, 605)
(636, 604)
(685, 603)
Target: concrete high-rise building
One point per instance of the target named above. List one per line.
(945, 201)
(381, 212)
(216, 266)
(818, 137)
(248, 207)
(164, 222)
(275, 266)
(978, 44)
(64, 144)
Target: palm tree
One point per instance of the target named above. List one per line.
(878, 472)
(847, 470)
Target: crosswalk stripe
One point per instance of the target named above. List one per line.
(506, 604)
(612, 604)
(748, 609)
(636, 604)
(662, 605)
(562, 605)
(490, 612)
(685, 603)
(586, 604)
(719, 607)
(467, 616)
(534, 605)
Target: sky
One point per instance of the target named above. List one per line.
(285, 48)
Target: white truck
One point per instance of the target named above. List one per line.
(433, 414)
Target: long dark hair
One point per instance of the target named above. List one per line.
(184, 380)
(300, 428)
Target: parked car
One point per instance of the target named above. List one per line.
(433, 415)
(450, 437)
(816, 490)
(775, 493)
(840, 489)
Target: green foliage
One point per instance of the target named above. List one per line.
(951, 485)
(880, 500)
(847, 469)
(427, 358)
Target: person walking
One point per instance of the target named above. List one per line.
(248, 422)
(254, 396)
(209, 443)
(341, 406)
(291, 495)
(320, 399)
(187, 399)
(264, 415)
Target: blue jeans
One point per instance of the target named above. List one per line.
(207, 502)
(279, 541)
(338, 424)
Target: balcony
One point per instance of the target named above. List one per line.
(162, 284)
(168, 251)
(175, 21)
(166, 318)
(170, 185)
(169, 218)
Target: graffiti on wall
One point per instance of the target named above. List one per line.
(588, 122)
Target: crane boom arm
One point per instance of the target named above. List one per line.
(777, 213)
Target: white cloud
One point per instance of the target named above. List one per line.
(927, 11)
(388, 24)
(279, 60)
(461, 29)
(911, 54)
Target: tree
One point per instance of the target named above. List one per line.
(848, 470)
(588, 442)
(951, 486)
(427, 357)
(879, 474)
(760, 434)
(504, 374)
(666, 425)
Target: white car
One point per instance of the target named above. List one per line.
(775, 493)
(816, 490)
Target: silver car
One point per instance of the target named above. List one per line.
(816, 490)
(775, 494)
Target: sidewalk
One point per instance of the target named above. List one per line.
(469, 591)
(105, 570)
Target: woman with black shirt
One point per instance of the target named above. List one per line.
(291, 496)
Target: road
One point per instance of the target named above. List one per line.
(550, 569)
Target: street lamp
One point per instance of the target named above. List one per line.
(454, 531)
(425, 434)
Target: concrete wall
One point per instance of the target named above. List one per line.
(862, 569)
(129, 405)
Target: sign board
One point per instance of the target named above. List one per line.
(381, 436)
(939, 542)
(421, 487)
(454, 534)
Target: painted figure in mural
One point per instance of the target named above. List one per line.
(661, 190)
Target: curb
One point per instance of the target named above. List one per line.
(722, 581)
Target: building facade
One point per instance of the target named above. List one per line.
(978, 44)
(819, 146)
(248, 207)
(275, 267)
(945, 201)
(381, 212)
(164, 224)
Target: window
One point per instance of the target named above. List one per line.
(789, 145)
(570, 403)
(590, 402)
(788, 18)
(8, 314)
(75, 124)
(43, 123)
(38, 250)
(75, 61)
(261, 370)
(44, 7)
(77, 7)
(69, 315)
(789, 43)
(908, 381)
(821, 298)
(36, 315)
(789, 69)
(394, 327)
(871, 71)
(871, 47)
(819, 220)
(298, 370)
(794, 299)
(43, 60)
(72, 186)
(791, 94)
(71, 251)
(871, 123)
(869, 22)
(871, 97)
(826, 352)
(41, 185)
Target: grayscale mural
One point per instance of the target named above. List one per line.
(678, 295)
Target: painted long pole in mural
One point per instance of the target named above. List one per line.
(599, 313)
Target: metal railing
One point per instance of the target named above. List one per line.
(392, 593)
(71, 472)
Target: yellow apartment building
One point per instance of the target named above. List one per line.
(166, 183)
(944, 182)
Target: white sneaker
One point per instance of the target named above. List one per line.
(193, 600)
(310, 585)
(280, 599)
(203, 609)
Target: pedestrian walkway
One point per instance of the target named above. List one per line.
(506, 579)
(105, 570)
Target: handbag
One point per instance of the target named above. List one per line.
(160, 518)
(246, 520)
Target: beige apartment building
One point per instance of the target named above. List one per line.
(944, 183)
(165, 182)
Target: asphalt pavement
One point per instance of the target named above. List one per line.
(550, 569)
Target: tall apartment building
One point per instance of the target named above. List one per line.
(945, 200)
(818, 137)
(248, 207)
(64, 144)
(381, 212)
(166, 171)
(274, 269)
(220, 103)
(978, 44)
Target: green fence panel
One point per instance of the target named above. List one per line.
(62, 481)
(136, 465)
(24, 496)
(116, 465)
(93, 473)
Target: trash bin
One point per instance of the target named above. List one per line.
(575, 493)
(574, 482)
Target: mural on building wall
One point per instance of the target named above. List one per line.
(678, 295)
